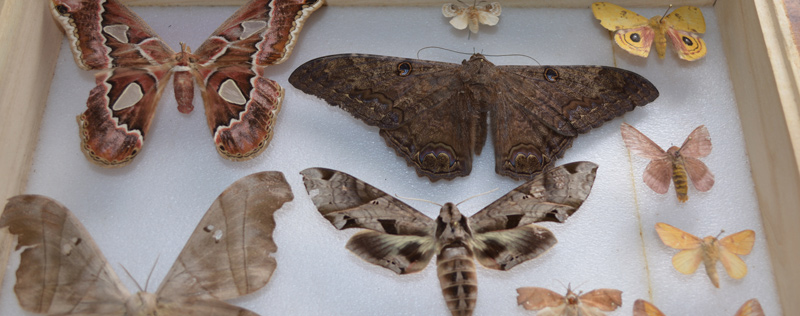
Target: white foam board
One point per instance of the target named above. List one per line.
(148, 209)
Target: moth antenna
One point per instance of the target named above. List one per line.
(579, 285)
(442, 48)
(514, 55)
(415, 199)
(151, 273)
(665, 13)
(130, 276)
(477, 195)
(720, 233)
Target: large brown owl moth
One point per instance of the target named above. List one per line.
(62, 272)
(434, 114)
(500, 236)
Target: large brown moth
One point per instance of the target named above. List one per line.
(549, 303)
(240, 103)
(500, 236)
(675, 163)
(434, 114)
(62, 272)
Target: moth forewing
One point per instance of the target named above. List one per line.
(227, 256)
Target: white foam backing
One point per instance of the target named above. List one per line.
(148, 209)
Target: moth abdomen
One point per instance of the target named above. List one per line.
(679, 178)
(457, 276)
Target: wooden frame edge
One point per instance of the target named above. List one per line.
(763, 65)
(31, 42)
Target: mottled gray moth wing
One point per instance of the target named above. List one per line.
(382, 91)
(401, 239)
(574, 99)
(504, 233)
(504, 249)
(61, 269)
(228, 254)
(348, 202)
(552, 195)
(399, 253)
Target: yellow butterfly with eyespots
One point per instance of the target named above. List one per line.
(635, 33)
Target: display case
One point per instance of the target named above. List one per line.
(762, 62)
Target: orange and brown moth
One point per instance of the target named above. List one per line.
(402, 239)
(549, 303)
(644, 308)
(240, 103)
(675, 163)
(63, 272)
(708, 250)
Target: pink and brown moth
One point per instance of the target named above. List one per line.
(675, 163)
(240, 103)
(500, 236)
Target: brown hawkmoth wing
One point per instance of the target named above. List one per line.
(549, 303)
(241, 104)
(434, 113)
(228, 255)
(404, 240)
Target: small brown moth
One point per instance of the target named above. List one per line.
(708, 250)
(62, 272)
(674, 163)
(549, 303)
(472, 15)
(500, 236)
(645, 308)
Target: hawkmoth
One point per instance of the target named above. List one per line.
(402, 239)
(241, 104)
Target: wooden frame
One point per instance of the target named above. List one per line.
(763, 62)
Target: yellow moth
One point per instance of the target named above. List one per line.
(635, 33)
(708, 250)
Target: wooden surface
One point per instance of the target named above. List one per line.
(31, 42)
(438, 3)
(763, 63)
